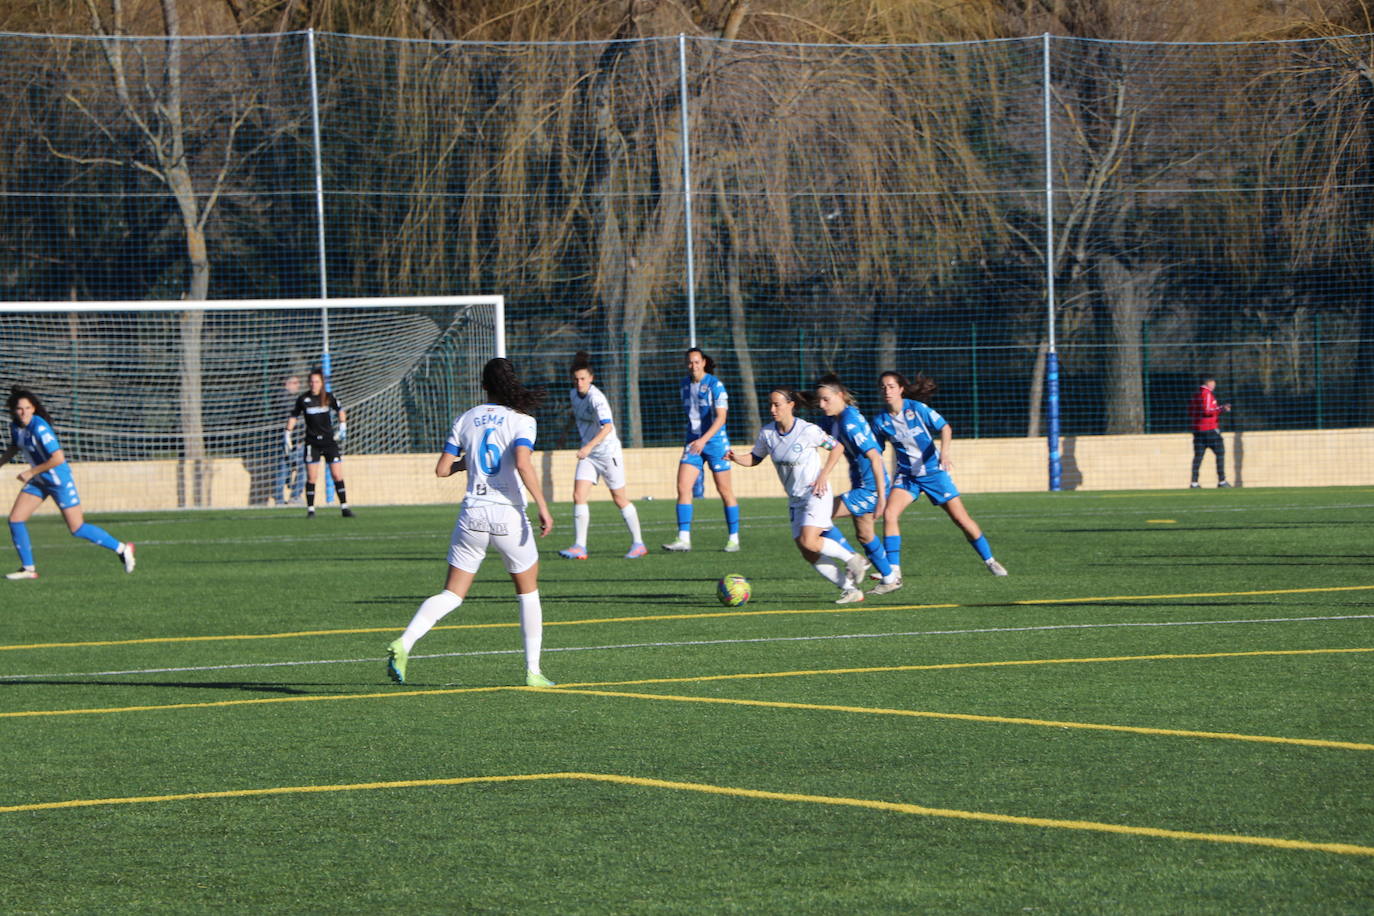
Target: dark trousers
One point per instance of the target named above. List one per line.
(1201, 443)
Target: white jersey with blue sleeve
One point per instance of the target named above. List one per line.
(38, 442)
(701, 400)
(592, 412)
(487, 436)
(794, 454)
(913, 433)
(851, 430)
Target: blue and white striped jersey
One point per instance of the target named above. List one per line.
(701, 400)
(487, 435)
(913, 433)
(852, 431)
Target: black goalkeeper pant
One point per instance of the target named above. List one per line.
(1201, 443)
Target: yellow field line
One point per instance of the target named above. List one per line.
(968, 717)
(705, 615)
(444, 691)
(732, 791)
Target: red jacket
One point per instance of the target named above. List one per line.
(1203, 410)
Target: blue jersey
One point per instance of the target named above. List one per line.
(701, 400)
(852, 431)
(38, 442)
(913, 434)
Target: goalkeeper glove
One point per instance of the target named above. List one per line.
(286, 442)
(343, 432)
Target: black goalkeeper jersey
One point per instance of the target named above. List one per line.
(318, 425)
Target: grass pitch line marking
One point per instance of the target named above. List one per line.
(678, 644)
(696, 679)
(1349, 849)
(968, 717)
(656, 618)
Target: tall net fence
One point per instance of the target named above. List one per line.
(1206, 210)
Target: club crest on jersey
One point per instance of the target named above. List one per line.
(910, 414)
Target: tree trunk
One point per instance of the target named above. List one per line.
(1129, 296)
(1035, 406)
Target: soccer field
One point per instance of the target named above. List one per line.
(1165, 707)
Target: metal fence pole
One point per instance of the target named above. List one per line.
(326, 364)
(687, 190)
(1052, 356)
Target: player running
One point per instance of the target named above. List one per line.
(316, 405)
(493, 442)
(792, 442)
(922, 466)
(706, 403)
(868, 481)
(49, 474)
(599, 457)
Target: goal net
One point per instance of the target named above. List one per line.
(207, 381)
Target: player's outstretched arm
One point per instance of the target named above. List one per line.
(747, 460)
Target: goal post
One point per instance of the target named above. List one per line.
(202, 382)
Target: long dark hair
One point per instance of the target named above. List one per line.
(503, 385)
(710, 363)
(805, 401)
(12, 403)
(918, 389)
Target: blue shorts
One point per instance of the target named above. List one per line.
(938, 486)
(860, 501)
(712, 456)
(63, 492)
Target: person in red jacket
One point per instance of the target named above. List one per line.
(1204, 413)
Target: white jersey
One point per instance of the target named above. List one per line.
(487, 436)
(794, 454)
(591, 413)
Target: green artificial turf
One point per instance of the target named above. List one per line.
(1158, 710)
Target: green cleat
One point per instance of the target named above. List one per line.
(535, 679)
(396, 658)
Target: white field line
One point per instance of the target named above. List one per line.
(696, 642)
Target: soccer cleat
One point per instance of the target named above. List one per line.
(887, 587)
(346, 512)
(1224, 485)
(575, 552)
(1194, 485)
(856, 566)
(637, 551)
(681, 545)
(731, 544)
(127, 556)
(22, 574)
(535, 679)
(851, 596)
(310, 513)
(997, 569)
(396, 658)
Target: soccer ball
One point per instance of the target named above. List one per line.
(733, 590)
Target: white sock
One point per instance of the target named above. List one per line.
(631, 516)
(834, 573)
(532, 628)
(833, 550)
(435, 608)
(582, 518)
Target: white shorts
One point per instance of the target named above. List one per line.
(610, 468)
(812, 512)
(505, 527)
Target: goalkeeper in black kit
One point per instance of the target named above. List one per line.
(316, 405)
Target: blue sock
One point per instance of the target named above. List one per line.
(836, 535)
(981, 545)
(892, 543)
(878, 555)
(684, 516)
(732, 519)
(699, 487)
(19, 531)
(96, 535)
